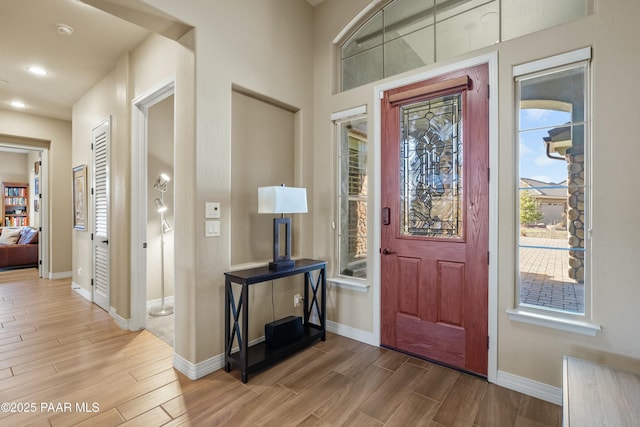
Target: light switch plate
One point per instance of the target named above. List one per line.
(212, 210)
(211, 228)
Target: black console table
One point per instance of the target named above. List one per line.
(253, 358)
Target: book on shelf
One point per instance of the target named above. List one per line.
(15, 221)
(15, 201)
(15, 191)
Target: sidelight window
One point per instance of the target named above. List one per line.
(552, 108)
(351, 232)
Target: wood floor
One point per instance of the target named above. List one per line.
(63, 361)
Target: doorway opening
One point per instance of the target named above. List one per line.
(153, 210)
(24, 203)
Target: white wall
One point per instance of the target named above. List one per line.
(34, 217)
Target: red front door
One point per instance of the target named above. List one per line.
(435, 219)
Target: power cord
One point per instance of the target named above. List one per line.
(273, 304)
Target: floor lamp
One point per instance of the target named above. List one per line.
(161, 186)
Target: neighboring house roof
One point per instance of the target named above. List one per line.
(545, 189)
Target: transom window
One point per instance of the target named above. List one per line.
(553, 239)
(407, 34)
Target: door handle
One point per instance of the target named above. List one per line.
(386, 251)
(106, 241)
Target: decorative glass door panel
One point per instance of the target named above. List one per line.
(434, 236)
(431, 166)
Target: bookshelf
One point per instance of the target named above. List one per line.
(15, 204)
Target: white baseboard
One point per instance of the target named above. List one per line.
(60, 275)
(82, 291)
(353, 333)
(120, 321)
(523, 385)
(193, 371)
(530, 387)
(157, 302)
(520, 384)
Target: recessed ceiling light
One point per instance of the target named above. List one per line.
(18, 104)
(37, 70)
(64, 29)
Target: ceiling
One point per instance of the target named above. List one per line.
(29, 35)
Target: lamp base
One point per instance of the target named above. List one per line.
(281, 265)
(162, 310)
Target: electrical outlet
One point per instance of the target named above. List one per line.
(297, 300)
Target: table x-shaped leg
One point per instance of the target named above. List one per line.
(320, 285)
(235, 332)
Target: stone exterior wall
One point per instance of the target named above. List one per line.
(575, 212)
(358, 222)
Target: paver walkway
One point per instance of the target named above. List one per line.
(544, 280)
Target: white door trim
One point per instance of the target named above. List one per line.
(140, 111)
(44, 267)
(492, 60)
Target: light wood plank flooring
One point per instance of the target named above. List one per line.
(63, 362)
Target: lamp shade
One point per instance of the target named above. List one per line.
(161, 182)
(282, 200)
(160, 206)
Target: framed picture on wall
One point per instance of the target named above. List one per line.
(80, 197)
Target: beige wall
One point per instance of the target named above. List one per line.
(529, 351)
(262, 154)
(102, 102)
(13, 167)
(160, 160)
(535, 352)
(54, 134)
(345, 306)
(263, 47)
(274, 54)
(152, 62)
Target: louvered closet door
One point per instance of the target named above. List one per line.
(101, 142)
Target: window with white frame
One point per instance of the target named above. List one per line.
(552, 114)
(403, 35)
(351, 229)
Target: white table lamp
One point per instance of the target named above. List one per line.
(281, 200)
